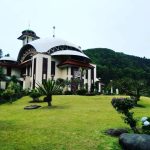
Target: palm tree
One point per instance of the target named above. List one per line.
(49, 88)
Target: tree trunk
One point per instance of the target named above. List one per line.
(49, 100)
(135, 130)
(138, 95)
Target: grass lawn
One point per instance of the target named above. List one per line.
(73, 123)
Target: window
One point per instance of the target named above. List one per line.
(28, 70)
(92, 73)
(23, 71)
(34, 72)
(67, 70)
(9, 71)
(44, 72)
(34, 69)
(73, 69)
(27, 39)
(86, 74)
(45, 60)
(52, 67)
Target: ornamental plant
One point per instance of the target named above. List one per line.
(146, 125)
(8, 95)
(35, 95)
(123, 106)
(49, 88)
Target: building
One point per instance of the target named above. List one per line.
(48, 58)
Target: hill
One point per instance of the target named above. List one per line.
(112, 65)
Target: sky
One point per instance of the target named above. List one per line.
(121, 25)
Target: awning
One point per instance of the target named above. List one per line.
(71, 62)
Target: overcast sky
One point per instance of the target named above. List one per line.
(121, 25)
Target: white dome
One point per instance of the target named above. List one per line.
(45, 44)
(7, 58)
(52, 46)
(69, 52)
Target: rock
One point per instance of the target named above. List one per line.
(134, 141)
(116, 132)
(32, 107)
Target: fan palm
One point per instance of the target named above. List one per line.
(49, 88)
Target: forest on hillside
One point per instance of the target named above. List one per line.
(112, 65)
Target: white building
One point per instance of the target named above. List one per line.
(48, 58)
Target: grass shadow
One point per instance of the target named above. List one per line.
(54, 107)
(40, 101)
(139, 105)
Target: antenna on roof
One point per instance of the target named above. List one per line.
(54, 31)
(28, 24)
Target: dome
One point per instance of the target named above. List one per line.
(29, 32)
(6, 58)
(68, 52)
(45, 44)
(51, 46)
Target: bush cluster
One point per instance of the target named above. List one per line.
(68, 92)
(81, 92)
(123, 104)
(34, 94)
(146, 125)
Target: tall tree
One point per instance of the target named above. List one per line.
(131, 87)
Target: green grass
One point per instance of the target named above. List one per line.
(73, 123)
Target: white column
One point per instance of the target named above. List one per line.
(39, 60)
(111, 89)
(49, 68)
(89, 80)
(30, 71)
(99, 87)
(31, 79)
(117, 91)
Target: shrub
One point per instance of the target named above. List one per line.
(123, 105)
(146, 125)
(8, 95)
(25, 92)
(15, 86)
(58, 92)
(35, 95)
(91, 94)
(68, 92)
(82, 92)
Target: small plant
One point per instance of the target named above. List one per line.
(8, 95)
(123, 105)
(25, 92)
(35, 95)
(146, 125)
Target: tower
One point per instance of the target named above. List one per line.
(28, 36)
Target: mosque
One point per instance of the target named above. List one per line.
(48, 58)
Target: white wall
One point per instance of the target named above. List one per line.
(39, 64)
(15, 72)
(3, 84)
